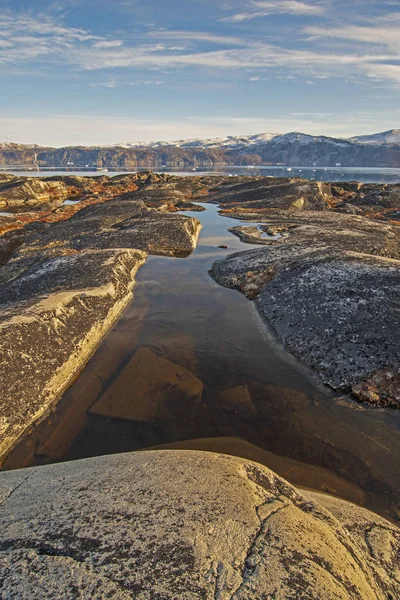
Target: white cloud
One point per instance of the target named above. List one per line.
(257, 55)
(388, 36)
(30, 42)
(383, 72)
(259, 9)
(108, 44)
(197, 36)
(24, 39)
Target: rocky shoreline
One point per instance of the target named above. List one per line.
(325, 278)
(66, 283)
(192, 524)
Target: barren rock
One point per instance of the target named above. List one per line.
(117, 224)
(21, 194)
(187, 525)
(328, 288)
(53, 314)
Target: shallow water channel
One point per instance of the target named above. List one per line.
(288, 420)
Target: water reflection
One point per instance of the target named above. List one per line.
(252, 392)
(365, 175)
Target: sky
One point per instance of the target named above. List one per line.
(98, 72)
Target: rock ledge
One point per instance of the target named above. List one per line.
(187, 525)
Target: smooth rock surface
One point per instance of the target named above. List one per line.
(150, 388)
(188, 525)
(53, 313)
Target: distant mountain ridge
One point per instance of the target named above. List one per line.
(289, 149)
(386, 137)
(230, 141)
(246, 141)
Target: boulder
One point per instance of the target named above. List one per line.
(151, 388)
(188, 525)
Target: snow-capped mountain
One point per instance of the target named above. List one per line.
(386, 137)
(289, 149)
(230, 141)
(250, 143)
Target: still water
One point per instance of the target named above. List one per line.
(366, 175)
(287, 420)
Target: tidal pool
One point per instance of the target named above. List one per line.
(258, 402)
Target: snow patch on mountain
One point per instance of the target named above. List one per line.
(228, 142)
(386, 137)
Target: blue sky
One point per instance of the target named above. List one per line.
(102, 72)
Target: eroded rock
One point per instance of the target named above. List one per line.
(21, 194)
(328, 287)
(116, 224)
(186, 524)
(53, 313)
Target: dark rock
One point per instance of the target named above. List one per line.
(318, 286)
(117, 224)
(53, 314)
(267, 192)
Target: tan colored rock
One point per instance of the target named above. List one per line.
(186, 525)
(149, 388)
(22, 194)
(53, 314)
(236, 399)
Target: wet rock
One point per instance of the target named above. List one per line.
(237, 400)
(53, 314)
(23, 194)
(186, 524)
(268, 192)
(317, 287)
(117, 224)
(151, 388)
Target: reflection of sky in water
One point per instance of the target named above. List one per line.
(185, 316)
(364, 174)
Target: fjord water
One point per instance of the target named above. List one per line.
(363, 174)
(301, 429)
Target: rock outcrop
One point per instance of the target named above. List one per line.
(116, 224)
(328, 288)
(53, 313)
(267, 192)
(64, 285)
(261, 194)
(23, 195)
(189, 525)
